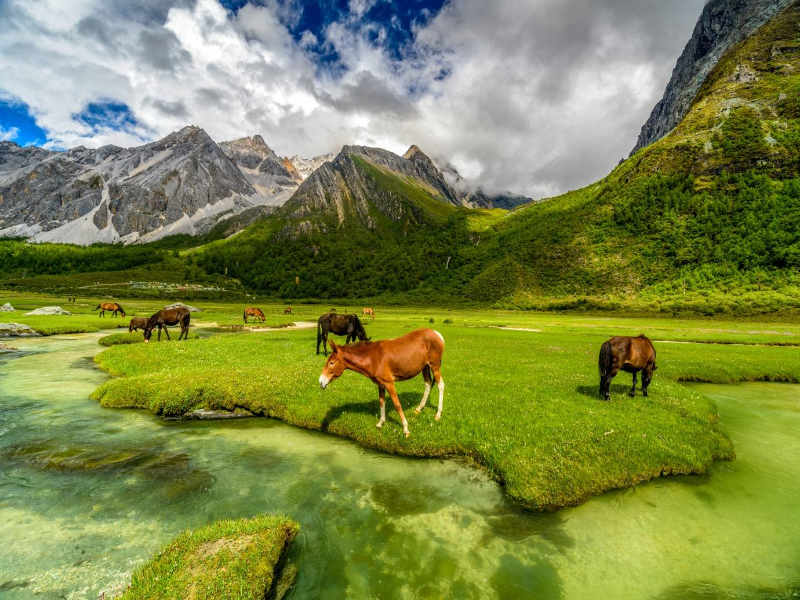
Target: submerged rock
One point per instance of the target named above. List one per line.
(4, 348)
(16, 330)
(182, 305)
(49, 310)
(7, 308)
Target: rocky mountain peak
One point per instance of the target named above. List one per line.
(722, 25)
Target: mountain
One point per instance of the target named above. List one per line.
(261, 166)
(474, 197)
(362, 183)
(722, 25)
(306, 166)
(706, 219)
(184, 183)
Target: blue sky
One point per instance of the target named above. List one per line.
(532, 96)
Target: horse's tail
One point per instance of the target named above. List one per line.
(319, 332)
(606, 360)
(244, 315)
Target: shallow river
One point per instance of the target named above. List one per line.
(87, 494)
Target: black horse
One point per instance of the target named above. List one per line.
(168, 316)
(348, 325)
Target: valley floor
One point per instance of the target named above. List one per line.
(520, 399)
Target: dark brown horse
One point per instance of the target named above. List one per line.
(112, 306)
(137, 323)
(388, 361)
(333, 309)
(368, 312)
(629, 354)
(348, 325)
(168, 317)
(287, 310)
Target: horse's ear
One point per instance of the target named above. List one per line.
(334, 346)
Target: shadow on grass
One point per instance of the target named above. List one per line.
(371, 407)
(593, 391)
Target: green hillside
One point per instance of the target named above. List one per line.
(707, 218)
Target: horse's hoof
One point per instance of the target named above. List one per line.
(378, 424)
(407, 433)
(438, 417)
(632, 394)
(645, 394)
(417, 410)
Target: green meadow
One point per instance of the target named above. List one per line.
(520, 400)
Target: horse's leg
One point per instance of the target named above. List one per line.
(398, 407)
(608, 380)
(166, 330)
(632, 393)
(437, 375)
(426, 375)
(647, 377)
(382, 399)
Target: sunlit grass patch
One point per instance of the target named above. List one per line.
(227, 559)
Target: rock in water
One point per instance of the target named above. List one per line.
(16, 330)
(7, 308)
(48, 310)
(182, 305)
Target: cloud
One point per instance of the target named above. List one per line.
(535, 96)
(10, 133)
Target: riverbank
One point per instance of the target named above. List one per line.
(523, 405)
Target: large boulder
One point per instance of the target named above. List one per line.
(7, 308)
(182, 305)
(16, 330)
(48, 310)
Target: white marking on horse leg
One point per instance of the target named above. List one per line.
(424, 397)
(405, 427)
(441, 337)
(383, 415)
(441, 397)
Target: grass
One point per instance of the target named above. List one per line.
(522, 404)
(227, 559)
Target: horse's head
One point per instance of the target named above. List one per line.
(333, 368)
(122, 312)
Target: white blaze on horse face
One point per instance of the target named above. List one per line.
(324, 381)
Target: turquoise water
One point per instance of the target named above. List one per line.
(87, 494)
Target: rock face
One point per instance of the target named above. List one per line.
(360, 178)
(48, 310)
(184, 183)
(474, 197)
(7, 308)
(306, 166)
(260, 165)
(722, 25)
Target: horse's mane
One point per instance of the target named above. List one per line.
(357, 345)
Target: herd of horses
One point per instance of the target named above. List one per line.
(386, 362)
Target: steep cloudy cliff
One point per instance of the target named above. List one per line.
(722, 25)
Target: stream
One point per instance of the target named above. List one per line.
(88, 494)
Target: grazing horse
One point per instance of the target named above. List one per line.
(387, 361)
(348, 325)
(629, 354)
(168, 317)
(112, 306)
(137, 323)
(254, 312)
(333, 309)
(368, 312)
(287, 310)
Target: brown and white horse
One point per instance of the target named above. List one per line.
(388, 361)
(254, 312)
(629, 354)
(112, 306)
(368, 312)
